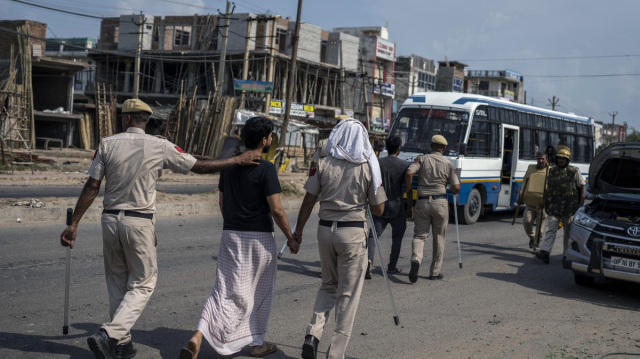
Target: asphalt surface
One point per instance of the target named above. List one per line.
(502, 304)
(74, 190)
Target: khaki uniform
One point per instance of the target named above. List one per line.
(344, 191)
(132, 162)
(320, 152)
(434, 173)
(534, 210)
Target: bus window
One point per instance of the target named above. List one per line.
(554, 139)
(527, 148)
(541, 140)
(416, 126)
(581, 150)
(484, 140)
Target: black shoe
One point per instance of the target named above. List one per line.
(543, 256)
(413, 274)
(310, 347)
(531, 243)
(436, 277)
(101, 345)
(367, 274)
(125, 351)
(396, 270)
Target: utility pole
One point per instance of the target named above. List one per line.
(365, 94)
(554, 103)
(245, 67)
(223, 56)
(136, 73)
(613, 123)
(272, 53)
(291, 79)
(342, 80)
(525, 97)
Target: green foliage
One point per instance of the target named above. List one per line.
(633, 135)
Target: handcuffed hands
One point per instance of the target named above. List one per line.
(294, 243)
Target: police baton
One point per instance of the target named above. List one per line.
(67, 273)
(284, 246)
(455, 214)
(396, 318)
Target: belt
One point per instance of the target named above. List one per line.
(356, 224)
(439, 196)
(129, 213)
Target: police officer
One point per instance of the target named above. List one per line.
(435, 172)
(319, 153)
(531, 194)
(346, 183)
(565, 194)
(132, 162)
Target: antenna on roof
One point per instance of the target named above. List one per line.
(446, 60)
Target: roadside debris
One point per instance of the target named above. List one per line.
(34, 203)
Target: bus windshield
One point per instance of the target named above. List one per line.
(416, 126)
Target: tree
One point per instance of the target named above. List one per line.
(633, 136)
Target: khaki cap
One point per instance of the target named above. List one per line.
(439, 140)
(135, 105)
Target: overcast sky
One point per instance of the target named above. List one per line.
(468, 31)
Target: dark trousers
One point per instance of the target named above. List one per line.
(398, 226)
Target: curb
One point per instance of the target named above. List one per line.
(29, 216)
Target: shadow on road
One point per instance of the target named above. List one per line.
(167, 341)
(551, 280)
(296, 266)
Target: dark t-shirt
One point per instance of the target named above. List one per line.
(245, 190)
(393, 170)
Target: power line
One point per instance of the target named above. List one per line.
(58, 10)
(583, 76)
(555, 58)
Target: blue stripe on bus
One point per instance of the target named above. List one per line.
(418, 99)
(464, 100)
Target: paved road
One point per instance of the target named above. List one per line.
(74, 191)
(503, 304)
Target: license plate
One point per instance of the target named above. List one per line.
(625, 263)
(415, 195)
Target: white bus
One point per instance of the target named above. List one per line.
(491, 142)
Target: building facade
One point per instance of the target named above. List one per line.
(505, 84)
(450, 76)
(377, 60)
(76, 49)
(414, 74)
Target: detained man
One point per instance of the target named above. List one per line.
(237, 312)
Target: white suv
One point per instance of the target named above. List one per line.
(605, 234)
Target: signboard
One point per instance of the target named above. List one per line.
(277, 107)
(384, 89)
(512, 75)
(253, 86)
(385, 49)
(509, 95)
(377, 125)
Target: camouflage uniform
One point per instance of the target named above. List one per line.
(562, 201)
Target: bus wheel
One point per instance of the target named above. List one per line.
(470, 212)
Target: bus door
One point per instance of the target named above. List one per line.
(510, 146)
